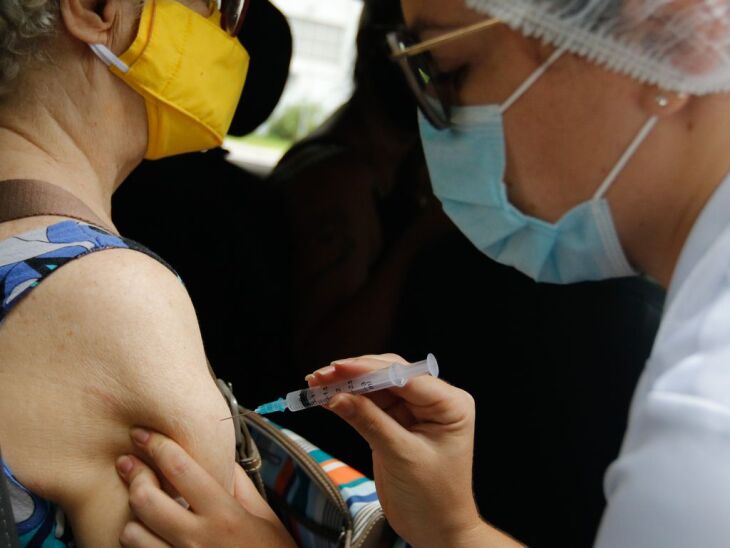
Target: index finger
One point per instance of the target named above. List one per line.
(419, 391)
(192, 481)
(346, 370)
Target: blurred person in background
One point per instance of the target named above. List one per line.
(358, 207)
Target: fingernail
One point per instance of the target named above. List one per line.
(140, 435)
(124, 465)
(325, 370)
(342, 405)
(309, 377)
(344, 361)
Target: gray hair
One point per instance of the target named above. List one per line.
(24, 24)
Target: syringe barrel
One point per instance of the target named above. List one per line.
(396, 375)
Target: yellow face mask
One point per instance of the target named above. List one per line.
(190, 72)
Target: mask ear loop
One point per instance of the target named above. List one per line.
(534, 77)
(626, 157)
(108, 58)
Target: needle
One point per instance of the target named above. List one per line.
(239, 415)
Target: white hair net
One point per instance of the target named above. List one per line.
(679, 45)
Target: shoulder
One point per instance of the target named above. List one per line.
(108, 341)
(111, 293)
(115, 318)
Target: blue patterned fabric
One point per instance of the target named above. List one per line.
(37, 521)
(25, 261)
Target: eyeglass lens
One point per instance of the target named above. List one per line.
(431, 89)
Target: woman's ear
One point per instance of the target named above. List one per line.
(90, 21)
(661, 103)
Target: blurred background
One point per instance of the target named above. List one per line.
(320, 79)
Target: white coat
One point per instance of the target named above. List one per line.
(670, 486)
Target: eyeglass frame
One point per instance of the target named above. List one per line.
(400, 55)
(235, 26)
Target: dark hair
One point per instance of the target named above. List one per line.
(375, 74)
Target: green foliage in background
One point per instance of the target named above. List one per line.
(296, 122)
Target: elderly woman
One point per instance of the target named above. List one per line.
(582, 140)
(109, 340)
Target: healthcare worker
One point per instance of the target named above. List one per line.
(588, 139)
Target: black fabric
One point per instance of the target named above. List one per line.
(552, 368)
(8, 534)
(220, 228)
(267, 38)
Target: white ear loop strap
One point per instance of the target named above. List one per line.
(534, 77)
(633, 147)
(108, 58)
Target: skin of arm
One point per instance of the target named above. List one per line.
(422, 441)
(107, 342)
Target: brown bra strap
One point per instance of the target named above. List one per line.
(21, 198)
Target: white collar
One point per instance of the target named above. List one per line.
(713, 221)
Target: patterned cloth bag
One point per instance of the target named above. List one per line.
(322, 502)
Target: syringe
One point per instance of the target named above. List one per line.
(395, 375)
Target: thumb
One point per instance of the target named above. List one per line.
(380, 430)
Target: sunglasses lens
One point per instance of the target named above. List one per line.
(232, 14)
(431, 90)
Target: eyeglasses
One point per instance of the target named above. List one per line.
(432, 89)
(233, 12)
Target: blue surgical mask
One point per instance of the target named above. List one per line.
(467, 165)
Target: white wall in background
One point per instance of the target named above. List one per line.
(324, 34)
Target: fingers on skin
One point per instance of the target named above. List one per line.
(135, 535)
(247, 495)
(130, 467)
(196, 486)
(160, 513)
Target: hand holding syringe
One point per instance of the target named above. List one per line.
(427, 422)
(394, 376)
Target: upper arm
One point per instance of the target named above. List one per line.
(107, 342)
